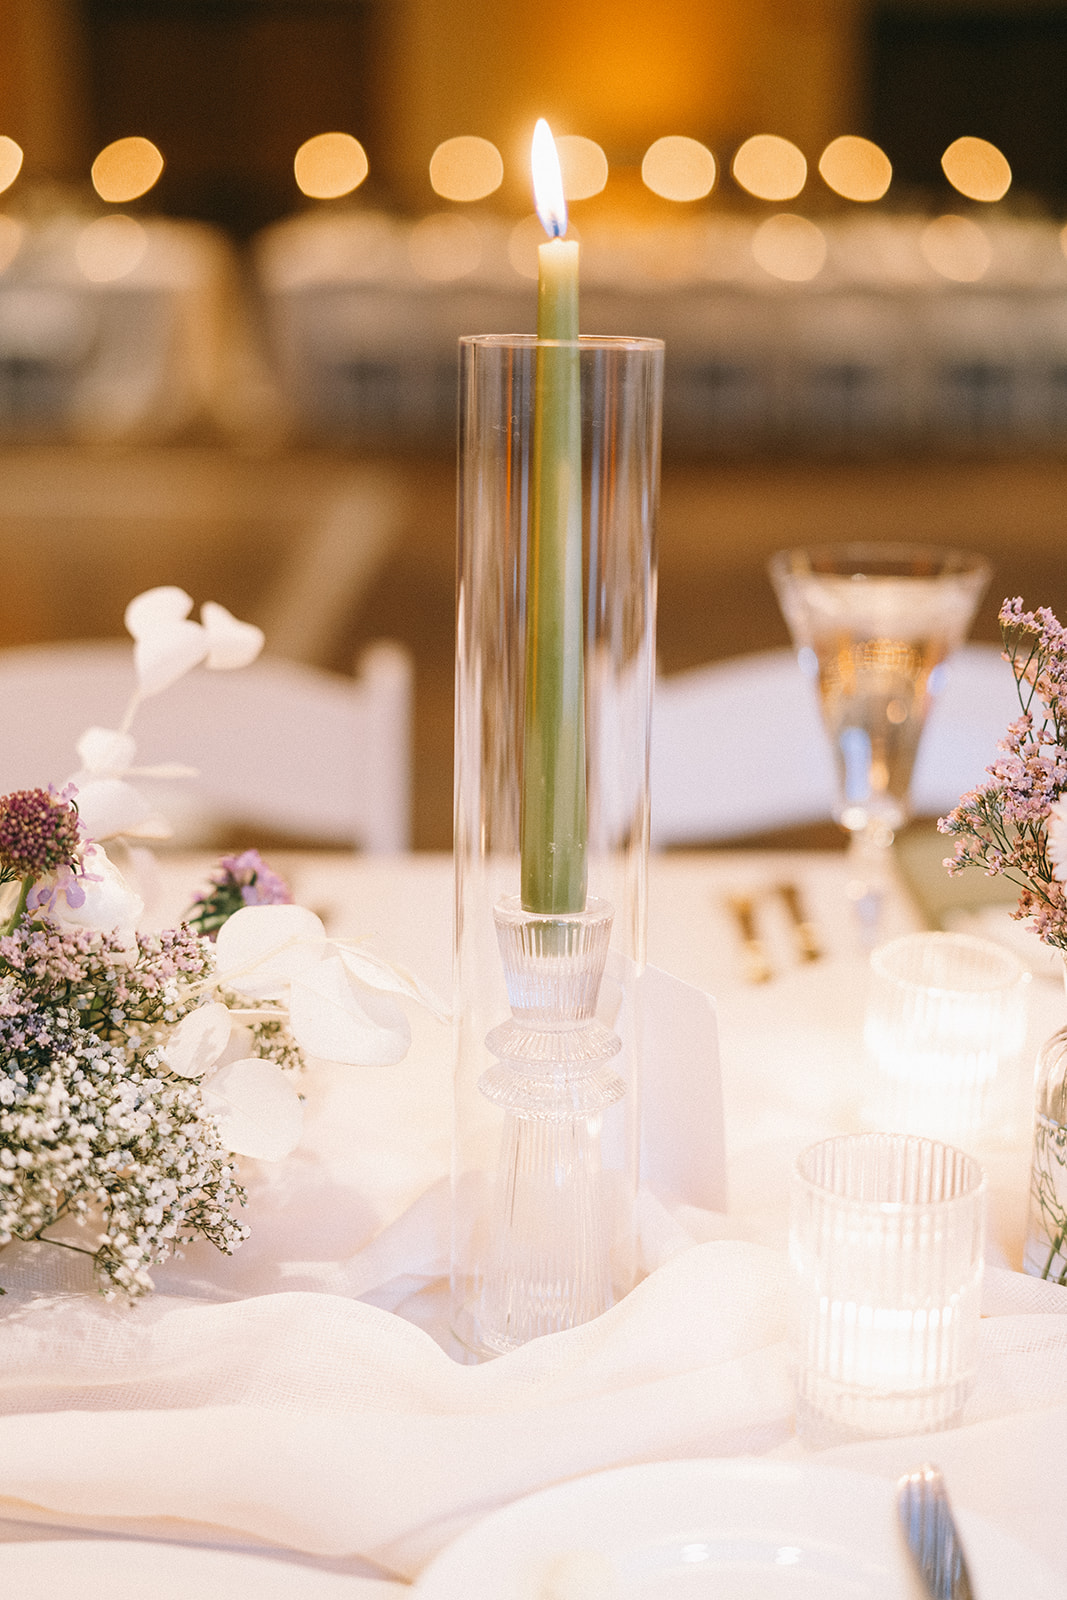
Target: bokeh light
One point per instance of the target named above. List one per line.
(957, 248)
(444, 246)
(770, 168)
(126, 169)
(12, 234)
(855, 168)
(789, 247)
(583, 164)
(10, 162)
(330, 165)
(977, 169)
(466, 168)
(678, 168)
(110, 248)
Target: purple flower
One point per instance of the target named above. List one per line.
(240, 880)
(258, 883)
(39, 833)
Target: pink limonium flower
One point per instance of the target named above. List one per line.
(1015, 824)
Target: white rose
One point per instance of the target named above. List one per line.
(99, 897)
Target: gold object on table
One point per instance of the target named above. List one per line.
(805, 935)
(757, 967)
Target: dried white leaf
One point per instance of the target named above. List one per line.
(378, 974)
(156, 608)
(259, 1111)
(260, 949)
(331, 1018)
(230, 643)
(105, 752)
(111, 806)
(199, 1040)
(166, 654)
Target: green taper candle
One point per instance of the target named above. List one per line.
(553, 827)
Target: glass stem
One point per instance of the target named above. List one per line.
(869, 876)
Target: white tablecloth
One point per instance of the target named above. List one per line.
(301, 1398)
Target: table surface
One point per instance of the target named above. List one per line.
(789, 1049)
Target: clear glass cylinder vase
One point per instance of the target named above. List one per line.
(547, 1040)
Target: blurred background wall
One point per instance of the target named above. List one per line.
(249, 392)
(229, 88)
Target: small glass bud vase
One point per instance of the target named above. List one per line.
(1045, 1254)
(547, 1023)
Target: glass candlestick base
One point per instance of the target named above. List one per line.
(549, 1256)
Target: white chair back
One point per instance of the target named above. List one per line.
(288, 748)
(738, 747)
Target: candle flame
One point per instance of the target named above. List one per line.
(548, 182)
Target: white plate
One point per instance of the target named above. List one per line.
(133, 1569)
(732, 1530)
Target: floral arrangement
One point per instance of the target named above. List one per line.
(1015, 824)
(137, 1068)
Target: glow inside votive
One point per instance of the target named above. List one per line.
(944, 1030)
(886, 1242)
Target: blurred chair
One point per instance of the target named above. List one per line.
(309, 755)
(329, 571)
(739, 748)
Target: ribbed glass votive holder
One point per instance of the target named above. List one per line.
(944, 1033)
(886, 1239)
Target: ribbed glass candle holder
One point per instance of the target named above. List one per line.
(944, 1033)
(886, 1241)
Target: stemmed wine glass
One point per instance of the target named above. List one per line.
(872, 624)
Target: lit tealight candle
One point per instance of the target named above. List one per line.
(944, 1030)
(553, 822)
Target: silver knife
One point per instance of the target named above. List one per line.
(930, 1534)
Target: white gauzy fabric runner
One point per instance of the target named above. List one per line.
(333, 1427)
(300, 1397)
